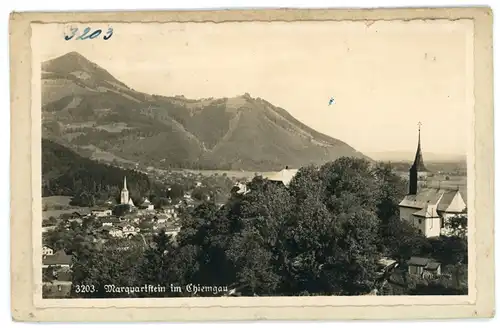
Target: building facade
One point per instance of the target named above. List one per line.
(427, 209)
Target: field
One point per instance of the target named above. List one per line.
(57, 205)
(104, 156)
(229, 174)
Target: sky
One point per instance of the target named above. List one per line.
(385, 77)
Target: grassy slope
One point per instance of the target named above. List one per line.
(249, 133)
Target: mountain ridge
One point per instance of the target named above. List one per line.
(83, 105)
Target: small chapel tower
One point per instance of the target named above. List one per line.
(418, 167)
(124, 197)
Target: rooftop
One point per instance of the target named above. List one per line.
(59, 258)
(427, 263)
(428, 211)
(286, 175)
(101, 209)
(431, 196)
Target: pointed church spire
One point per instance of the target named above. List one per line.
(418, 166)
(419, 160)
(124, 196)
(419, 125)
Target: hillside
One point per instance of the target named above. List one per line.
(408, 156)
(89, 110)
(68, 174)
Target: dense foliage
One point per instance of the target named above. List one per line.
(66, 173)
(321, 235)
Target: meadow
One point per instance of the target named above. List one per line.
(57, 205)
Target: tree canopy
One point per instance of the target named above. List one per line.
(321, 235)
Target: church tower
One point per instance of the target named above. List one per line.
(418, 167)
(124, 199)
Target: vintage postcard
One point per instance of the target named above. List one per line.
(240, 165)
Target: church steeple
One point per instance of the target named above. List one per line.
(418, 166)
(419, 160)
(124, 197)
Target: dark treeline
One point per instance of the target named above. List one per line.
(87, 181)
(321, 235)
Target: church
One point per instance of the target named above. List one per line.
(124, 196)
(428, 208)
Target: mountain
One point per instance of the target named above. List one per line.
(408, 156)
(87, 109)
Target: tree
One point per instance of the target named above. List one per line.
(48, 274)
(391, 190)
(401, 240)
(101, 266)
(154, 264)
(321, 235)
(121, 209)
(252, 261)
(457, 224)
(200, 193)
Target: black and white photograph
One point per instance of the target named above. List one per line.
(254, 159)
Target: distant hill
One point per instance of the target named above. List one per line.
(89, 110)
(66, 173)
(408, 156)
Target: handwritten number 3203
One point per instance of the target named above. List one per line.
(88, 35)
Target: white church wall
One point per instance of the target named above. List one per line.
(432, 227)
(406, 214)
(419, 223)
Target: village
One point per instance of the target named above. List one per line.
(425, 208)
(109, 221)
(122, 221)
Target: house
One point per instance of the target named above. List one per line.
(58, 259)
(172, 231)
(162, 219)
(47, 250)
(101, 212)
(146, 204)
(170, 210)
(110, 221)
(284, 176)
(59, 286)
(240, 188)
(105, 229)
(131, 203)
(159, 226)
(130, 230)
(76, 219)
(117, 233)
(428, 208)
(110, 202)
(385, 265)
(423, 267)
(48, 228)
(75, 216)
